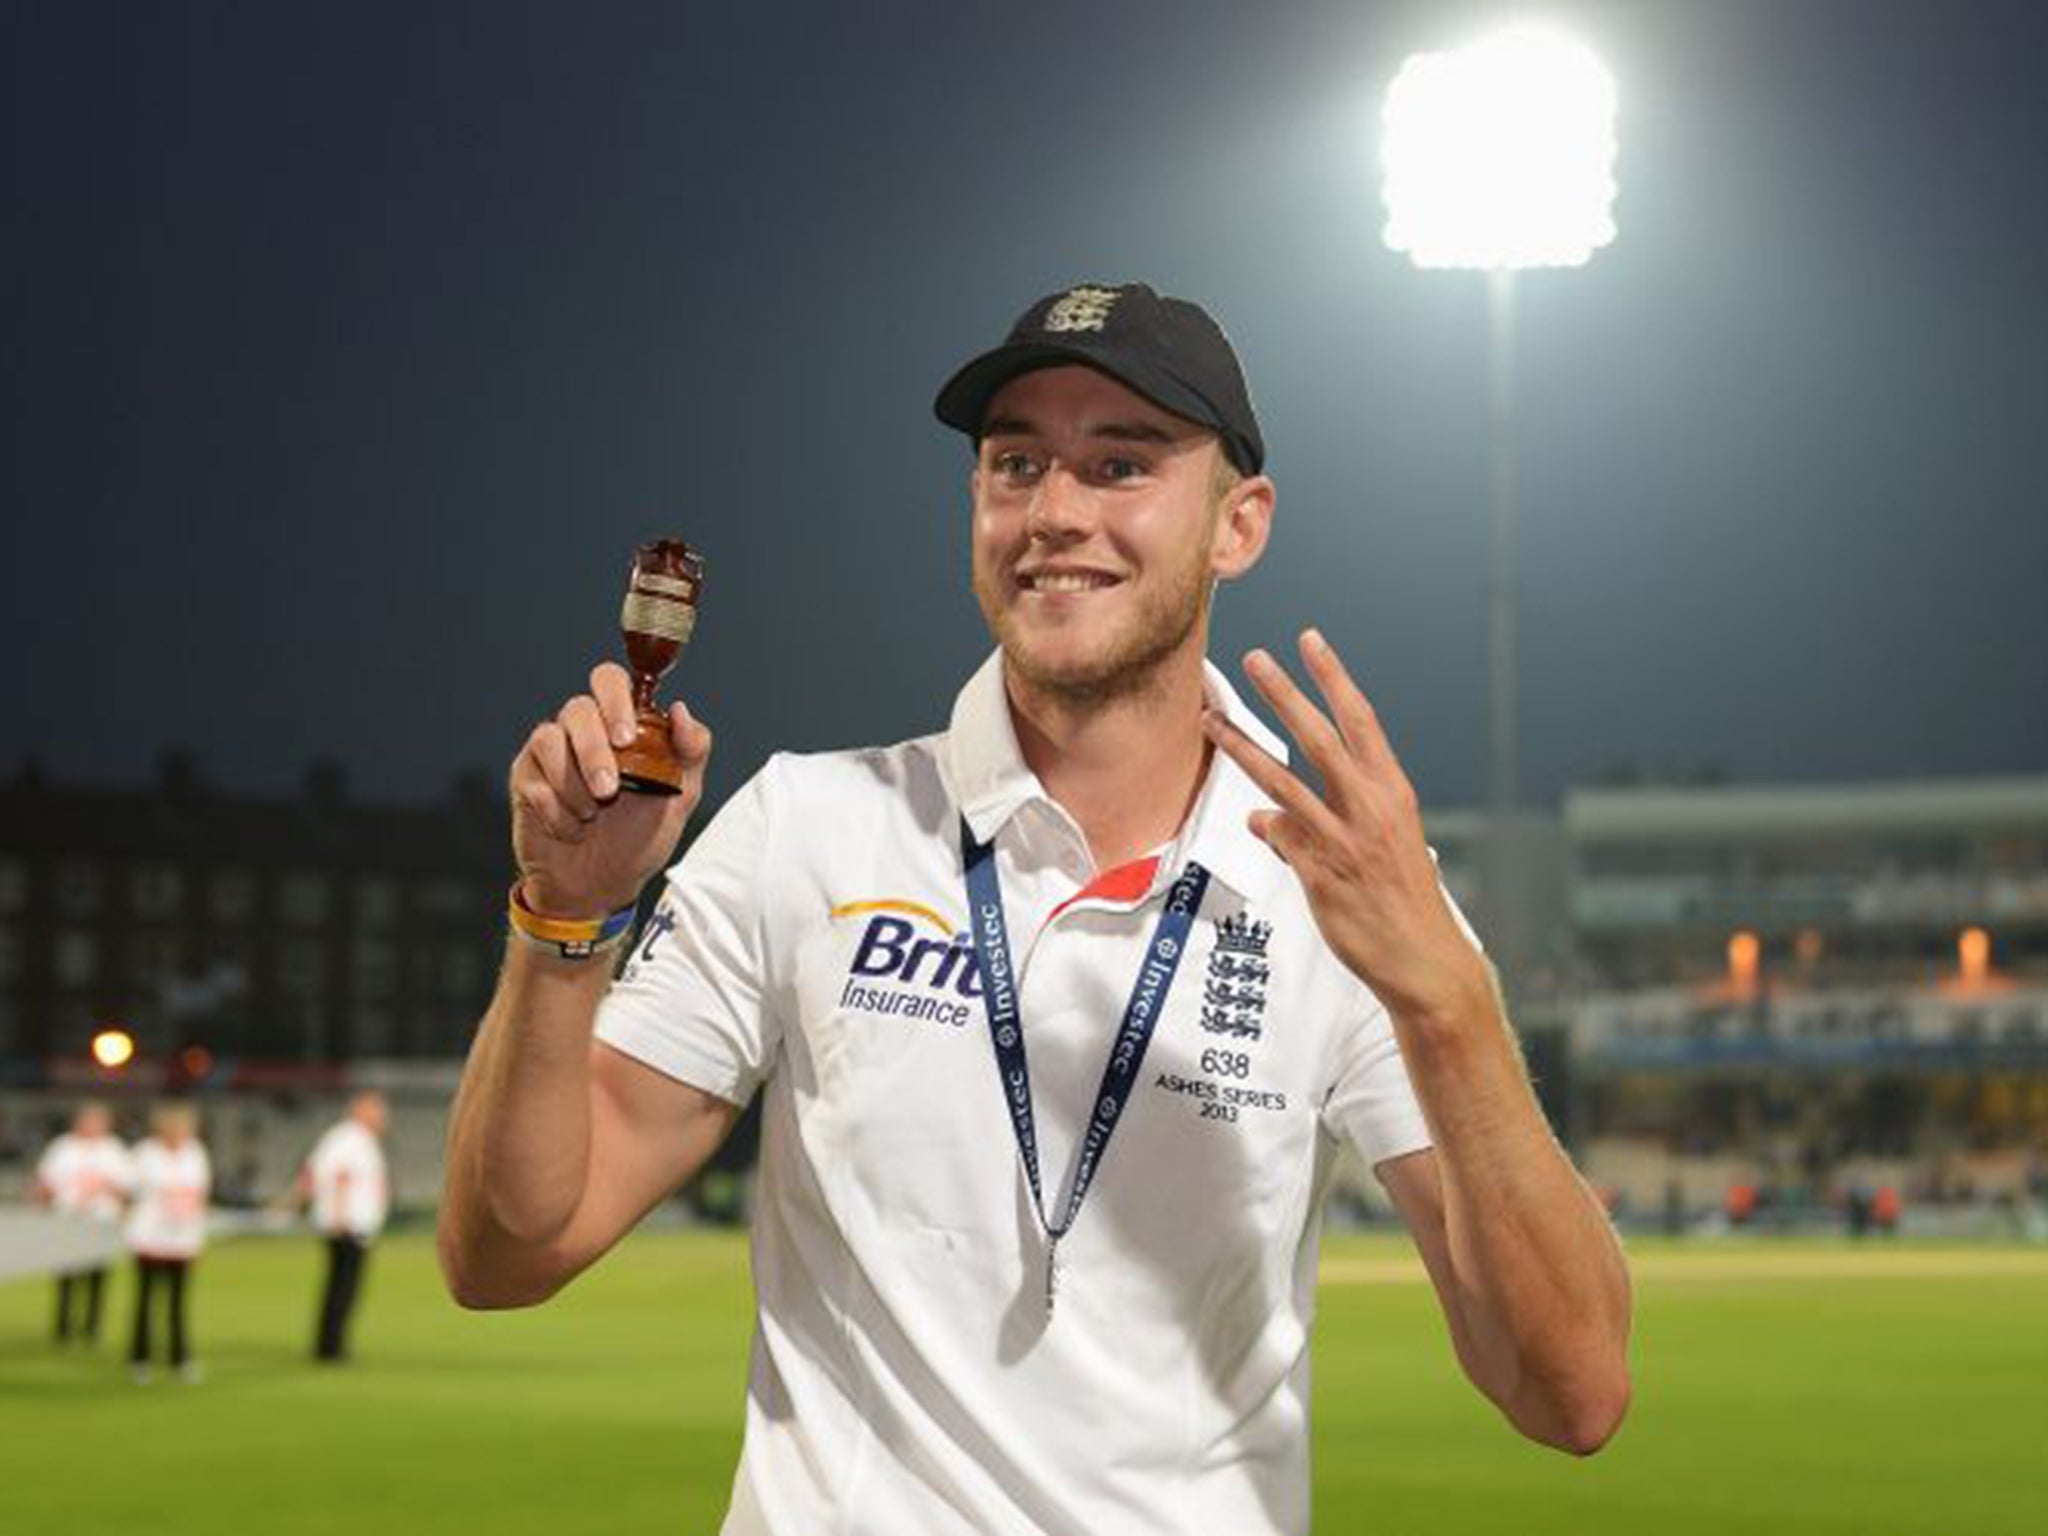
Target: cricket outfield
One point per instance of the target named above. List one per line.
(1779, 1388)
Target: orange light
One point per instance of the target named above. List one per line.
(197, 1060)
(113, 1048)
(1973, 957)
(1745, 952)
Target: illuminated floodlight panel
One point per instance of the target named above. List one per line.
(113, 1048)
(1500, 155)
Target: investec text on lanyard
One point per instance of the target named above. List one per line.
(1126, 1052)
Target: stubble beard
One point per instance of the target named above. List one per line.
(1130, 660)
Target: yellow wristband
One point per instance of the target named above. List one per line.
(571, 938)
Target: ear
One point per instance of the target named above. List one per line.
(1242, 528)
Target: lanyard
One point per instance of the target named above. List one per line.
(1126, 1052)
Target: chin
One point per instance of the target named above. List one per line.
(1103, 655)
(1085, 674)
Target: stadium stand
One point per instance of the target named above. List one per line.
(1813, 993)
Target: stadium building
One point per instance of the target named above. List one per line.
(1809, 994)
(267, 955)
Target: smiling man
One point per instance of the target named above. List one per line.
(1059, 1017)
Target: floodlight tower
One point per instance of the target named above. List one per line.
(1496, 157)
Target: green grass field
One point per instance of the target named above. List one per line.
(1778, 1389)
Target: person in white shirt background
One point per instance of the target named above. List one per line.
(348, 1187)
(173, 1180)
(84, 1174)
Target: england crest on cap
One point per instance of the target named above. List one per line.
(1081, 309)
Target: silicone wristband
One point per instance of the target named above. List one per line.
(571, 938)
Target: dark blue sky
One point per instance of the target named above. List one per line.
(351, 348)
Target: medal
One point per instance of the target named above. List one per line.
(1126, 1053)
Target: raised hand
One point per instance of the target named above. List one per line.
(1357, 848)
(583, 848)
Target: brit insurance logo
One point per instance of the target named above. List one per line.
(1234, 992)
(660, 924)
(910, 963)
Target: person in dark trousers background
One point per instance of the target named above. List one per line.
(346, 1183)
(84, 1174)
(166, 1231)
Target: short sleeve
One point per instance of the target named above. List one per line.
(1372, 1104)
(691, 999)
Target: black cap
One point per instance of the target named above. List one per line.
(1168, 350)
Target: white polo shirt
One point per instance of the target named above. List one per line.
(172, 1184)
(86, 1176)
(907, 1379)
(350, 1191)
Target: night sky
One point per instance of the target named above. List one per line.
(351, 348)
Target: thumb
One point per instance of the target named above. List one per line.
(692, 737)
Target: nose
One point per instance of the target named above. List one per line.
(1061, 509)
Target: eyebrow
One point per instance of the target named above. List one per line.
(1116, 431)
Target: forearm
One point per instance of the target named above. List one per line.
(519, 1136)
(1537, 1269)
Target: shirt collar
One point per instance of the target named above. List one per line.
(990, 781)
(986, 769)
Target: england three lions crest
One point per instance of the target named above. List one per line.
(1234, 993)
(1081, 309)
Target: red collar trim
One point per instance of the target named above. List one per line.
(1126, 883)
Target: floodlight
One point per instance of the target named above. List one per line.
(113, 1048)
(1500, 155)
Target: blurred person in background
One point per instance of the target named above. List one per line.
(84, 1174)
(173, 1179)
(345, 1182)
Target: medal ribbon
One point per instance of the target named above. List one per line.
(991, 937)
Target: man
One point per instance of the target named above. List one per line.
(1057, 1016)
(84, 1174)
(166, 1230)
(345, 1182)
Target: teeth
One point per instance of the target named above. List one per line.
(1067, 582)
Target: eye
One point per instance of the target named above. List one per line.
(1118, 467)
(1014, 466)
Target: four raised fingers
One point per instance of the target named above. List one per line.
(1353, 712)
(1281, 785)
(1357, 762)
(1319, 740)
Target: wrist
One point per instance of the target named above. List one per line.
(536, 894)
(567, 938)
(1461, 997)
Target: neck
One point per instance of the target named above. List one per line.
(1127, 768)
